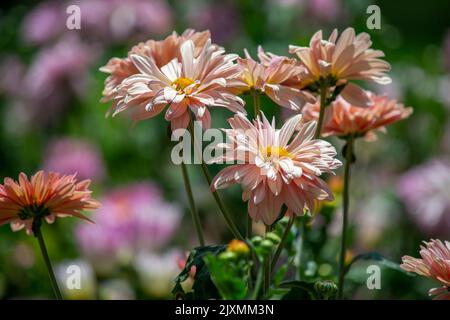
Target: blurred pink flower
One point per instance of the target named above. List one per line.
(324, 10)
(12, 70)
(276, 167)
(44, 22)
(104, 20)
(222, 19)
(118, 20)
(425, 191)
(435, 264)
(132, 218)
(67, 155)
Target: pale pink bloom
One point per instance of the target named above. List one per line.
(343, 119)
(162, 52)
(186, 84)
(335, 61)
(276, 167)
(276, 76)
(45, 195)
(435, 264)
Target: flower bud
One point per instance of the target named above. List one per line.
(238, 247)
(272, 236)
(256, 240)
(326, 288)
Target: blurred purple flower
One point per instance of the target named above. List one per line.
(324, 10)
(68, 156)
(44, 22)
(12, 71)
(114, 20)
(426, 192)
(132, 218)
(221, 19)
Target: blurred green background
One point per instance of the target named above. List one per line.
(51, 118)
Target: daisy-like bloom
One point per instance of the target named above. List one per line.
(344, 119)
(162, 52)
(189, 64)
(276, 167)
(334, 61)
(435, 264)
(44, 196)
(276, 76)
(187, 84)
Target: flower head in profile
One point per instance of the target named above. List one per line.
(335, 61)
(44, 196)
(344, 119)
(276, 76)
(276, 166)
(435, 264)
(186, 73)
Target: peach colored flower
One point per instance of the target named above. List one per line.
(186, 84)
(276, 76)
(46, 195)
(276, 167)
(435, 264)
(162, 52)
(343, 119)
(335, 61)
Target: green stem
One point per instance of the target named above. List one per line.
(267, 269)
(346, 201)
(249, 227)
(194, 212)
(323, 105)
(38, 234)
(259, 282)
(234, 230)
(256, 103)
(282, 242)
(300, 243)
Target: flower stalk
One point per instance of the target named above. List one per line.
(323, 105)
(38, 234)
(193, 208)
(228, 219)
(346, 202)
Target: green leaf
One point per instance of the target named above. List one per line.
(299, 290)
(203, 287)
(229, 277)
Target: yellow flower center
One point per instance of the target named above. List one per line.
(182, 83)
(277, 152)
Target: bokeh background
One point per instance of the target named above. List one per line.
(51, 118)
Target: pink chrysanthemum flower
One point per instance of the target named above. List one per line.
(162, 52)
(336, 61)
(435, 264)
(187, 73)
(45, 196)
(343, 119)
(276, 167)
(276, 76)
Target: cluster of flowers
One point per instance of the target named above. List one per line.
(188, 73)
(278, 168)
